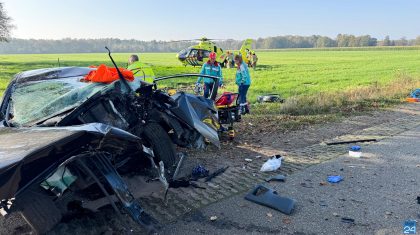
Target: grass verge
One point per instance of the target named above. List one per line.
(352, 100)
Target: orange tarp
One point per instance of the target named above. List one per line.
(107, 74)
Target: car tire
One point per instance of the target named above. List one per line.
(163, 148)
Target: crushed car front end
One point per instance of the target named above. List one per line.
(43, 174)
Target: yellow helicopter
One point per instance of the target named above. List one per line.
(197, 55)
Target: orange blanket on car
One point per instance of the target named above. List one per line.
(107, 74)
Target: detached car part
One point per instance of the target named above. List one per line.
(270, 98)
(268, 197)
(281, 178)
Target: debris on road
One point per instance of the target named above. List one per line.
(336, 214)
(181, 157)
(323, 203)
(272, 164)
(248, 159)
(305, 185)
(213, 218)
(268, 197)
(199, 172)
(286, 221)
(352, 141)
(281, 178)
(347, 220)
(418, 199)
(216, 173)
(183, 183)
(355, 151)
(269, 215)
(323, 183)
(334, 178)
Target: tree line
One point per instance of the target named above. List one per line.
(69, 45)
(5, 24)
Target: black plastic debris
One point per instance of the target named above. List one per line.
(347, 220)
(323, 203)
(268, 197)
(351, 141)
(281, 178)
(183, 183)
(418, 199)
(305, 185)
(216, 173)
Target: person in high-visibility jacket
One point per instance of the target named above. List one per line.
(243, 80)
(211, 68)
(140, 70)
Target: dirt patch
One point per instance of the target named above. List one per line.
(275, 134)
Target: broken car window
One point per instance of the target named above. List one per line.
(33, 101)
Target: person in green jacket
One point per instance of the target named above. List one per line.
(243, 80)
(140, 70)
(211, 68)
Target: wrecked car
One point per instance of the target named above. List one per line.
(46, 173)
(61, 136)
(58, 97)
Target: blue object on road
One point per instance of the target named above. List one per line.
(355, 148)
(200, 171)
(335, 178)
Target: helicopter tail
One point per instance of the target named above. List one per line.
(246, 49)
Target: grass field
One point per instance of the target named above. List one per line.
(292, 73)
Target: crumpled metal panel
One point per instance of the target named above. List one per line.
(194, 110)
(28, 153)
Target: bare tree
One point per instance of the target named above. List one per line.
(5, 24)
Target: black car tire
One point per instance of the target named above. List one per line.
(163, 148)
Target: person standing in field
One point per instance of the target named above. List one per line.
(211, 68)
(139, 69)
(254, 60)
(229, 60)
(243, 80)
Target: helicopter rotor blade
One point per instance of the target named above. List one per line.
(187, 40)
(200, 39)
(210, 39)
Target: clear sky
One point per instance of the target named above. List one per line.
(237, 19)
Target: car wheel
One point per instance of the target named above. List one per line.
(164, 150)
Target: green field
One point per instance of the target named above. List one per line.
(288, 72)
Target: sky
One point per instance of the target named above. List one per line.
(221, 19)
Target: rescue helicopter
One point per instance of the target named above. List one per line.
(198, 54)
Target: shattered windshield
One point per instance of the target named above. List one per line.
(33, 101)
